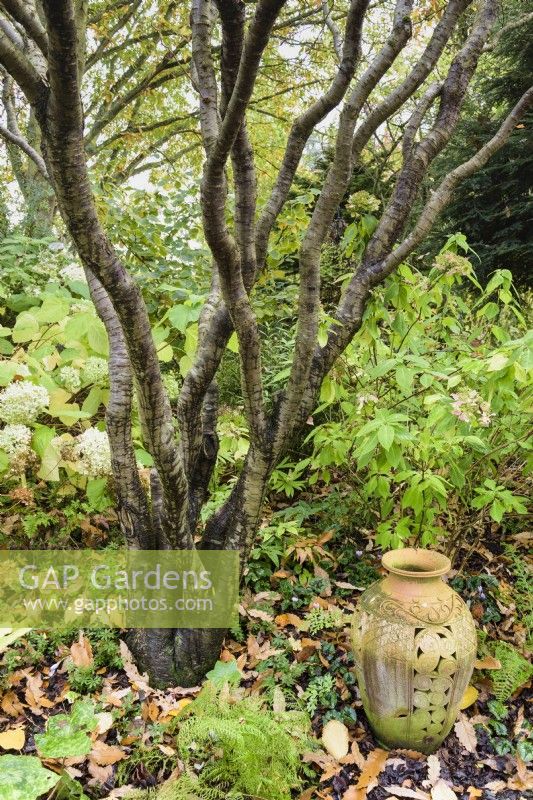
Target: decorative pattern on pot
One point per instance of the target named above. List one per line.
(414, 643)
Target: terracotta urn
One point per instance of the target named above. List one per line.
(414, 642)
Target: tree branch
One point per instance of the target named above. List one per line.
(26, 15)
(22, 70)
(62, 126)
(26, 148)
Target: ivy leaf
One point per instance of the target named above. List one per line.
(24, 778)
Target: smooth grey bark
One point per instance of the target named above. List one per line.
(183, 464)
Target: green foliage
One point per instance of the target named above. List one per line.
(514, 673)
(224, 672)
(24, 778)
(522, 590)
(66, 735)
(319, 693)
(508, 738)
(235, 747)
(84, 680)
(426, 414)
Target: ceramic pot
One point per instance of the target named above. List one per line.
(414, 643)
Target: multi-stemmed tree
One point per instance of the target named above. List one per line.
(42, 49)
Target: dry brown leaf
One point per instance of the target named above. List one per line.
(473, 793)
(257, 613)
(354, 756)
(81, 652)
(517, 730)
(433, 770)
(104, 754)
(373, 765)
(12, 705)
(523, 779)
(35, 696)
(12, 739)
(105, 722)
(403, 791)
(308, 794)
(495, 786)
(282, 620)
(487, 662)
(166, 750)
(335, 738)
(137, 680)
(100, 774)
(441, 791)
(464, 730)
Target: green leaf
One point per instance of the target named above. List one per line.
(91, 404)
(225, 672)
(24, 778)
(386, 436)
(42, 436)
(97, 338)
(497, 362)
(53, 309)
(96, 494)
(179, 317)
(4, 461)
(233, 343)
(66, 735)
(26, 328)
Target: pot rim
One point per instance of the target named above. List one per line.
(416, 562)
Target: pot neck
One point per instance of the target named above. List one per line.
(416, 565)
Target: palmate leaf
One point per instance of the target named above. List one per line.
(24, 778)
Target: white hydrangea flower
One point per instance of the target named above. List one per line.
(92, 453)
(70, 379)
(15, 441)
(23, 369)
(95, 370)
(81, 305)
(72, 272)
(22, 401)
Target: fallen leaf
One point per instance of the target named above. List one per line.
(282, 620)
(335, 738)
(105, 722)
(354, 756)
(104, 754)
(12, 705)
(100, 774)
(441, 791)
(487, 662)
(495, 786)
(12, 739)
(470, 696)
(464, 730)
(433, 770)
(373, 765)
(81, 652)
(523, 779)
(403, 791)
(257, 613)
(137, 680)
(473, 793)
